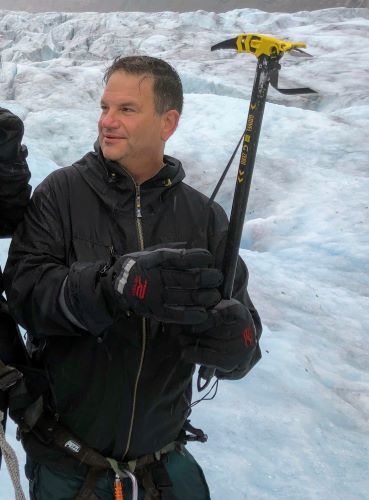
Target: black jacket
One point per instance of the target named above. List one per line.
(124, 391)
(14, 196)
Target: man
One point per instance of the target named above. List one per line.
(115, 275)
(14, 196)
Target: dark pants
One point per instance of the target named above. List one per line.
(185, 474)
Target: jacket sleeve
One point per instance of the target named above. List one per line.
(218, 234)
(36, 268)
(14, 192)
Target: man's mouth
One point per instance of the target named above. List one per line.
(111, 139)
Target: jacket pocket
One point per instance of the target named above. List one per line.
(90, 251)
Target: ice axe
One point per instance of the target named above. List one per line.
(268, 51)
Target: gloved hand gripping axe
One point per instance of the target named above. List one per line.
(268, 51)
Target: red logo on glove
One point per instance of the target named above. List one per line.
(139, 288)
(248, 337)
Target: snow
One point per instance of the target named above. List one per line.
(297, 426)
(175, 5)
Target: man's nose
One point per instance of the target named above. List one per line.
(109, 120)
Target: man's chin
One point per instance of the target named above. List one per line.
(109, 154)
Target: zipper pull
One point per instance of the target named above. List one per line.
(138, 203)
(118, 488)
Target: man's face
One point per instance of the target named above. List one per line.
(130, 131)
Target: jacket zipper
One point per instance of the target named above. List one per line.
(138, 218)
(144, 330)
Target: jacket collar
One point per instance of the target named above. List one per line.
(170, 174)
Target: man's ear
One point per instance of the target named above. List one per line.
(169, 124)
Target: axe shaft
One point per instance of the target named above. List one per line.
(243, 182)
(245, 171)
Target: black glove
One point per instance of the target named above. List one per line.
(11, 134)
(227, 341)
(170, 285)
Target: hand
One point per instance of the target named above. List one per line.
(11, 134)
(170, 285)
(227, 341)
